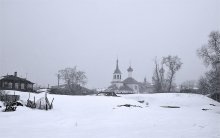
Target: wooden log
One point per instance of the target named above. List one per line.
(51, 105)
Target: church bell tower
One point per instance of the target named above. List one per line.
(117, 73)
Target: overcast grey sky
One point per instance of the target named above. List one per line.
(39, 37)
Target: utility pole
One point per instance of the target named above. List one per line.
(58, 79)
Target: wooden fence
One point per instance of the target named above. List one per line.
(9, 98)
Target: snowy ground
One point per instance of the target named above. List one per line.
(99, 117)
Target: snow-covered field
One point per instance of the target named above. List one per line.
(100, 117)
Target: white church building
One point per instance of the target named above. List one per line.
(129, 85)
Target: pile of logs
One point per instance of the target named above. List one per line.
(31, 104)
(12, 106)
(11, 102)
(43, 104)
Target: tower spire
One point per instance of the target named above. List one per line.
(117, 64)
(117, 73)
(117, 70)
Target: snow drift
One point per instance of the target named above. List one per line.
(100, 116)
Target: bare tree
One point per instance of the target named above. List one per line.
(173, 63)
(72, 76)
(158, 77)
(210, 54)
(204, 86)
(209, 83)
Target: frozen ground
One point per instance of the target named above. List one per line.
(99, 117)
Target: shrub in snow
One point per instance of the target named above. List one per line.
(2, 92)
(44, 104)
(31, 104)
(1, 104)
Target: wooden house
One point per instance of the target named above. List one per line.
(13, 82)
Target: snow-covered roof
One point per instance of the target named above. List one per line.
(130, 80)
(121, 88)
(125, 88)
(15, 78)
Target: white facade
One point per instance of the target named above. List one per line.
(117, 76)
(129, 85)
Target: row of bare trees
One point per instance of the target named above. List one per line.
(166, 68)
(73, 81)
(210, 54)
(72, 76)
(164, 73)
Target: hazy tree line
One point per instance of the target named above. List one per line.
(166, 69)
(210, 54)
(72, 76)
(73, 82)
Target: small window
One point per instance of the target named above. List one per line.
(16, 85)
(5, 84)
(22, 86)
(10, 85)
(29, 86)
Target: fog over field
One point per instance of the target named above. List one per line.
(38, 38)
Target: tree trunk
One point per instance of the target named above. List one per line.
(170, 82)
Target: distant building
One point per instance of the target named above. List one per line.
(13, 82)
(72, 89)
(129, 85)
(146, 87)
